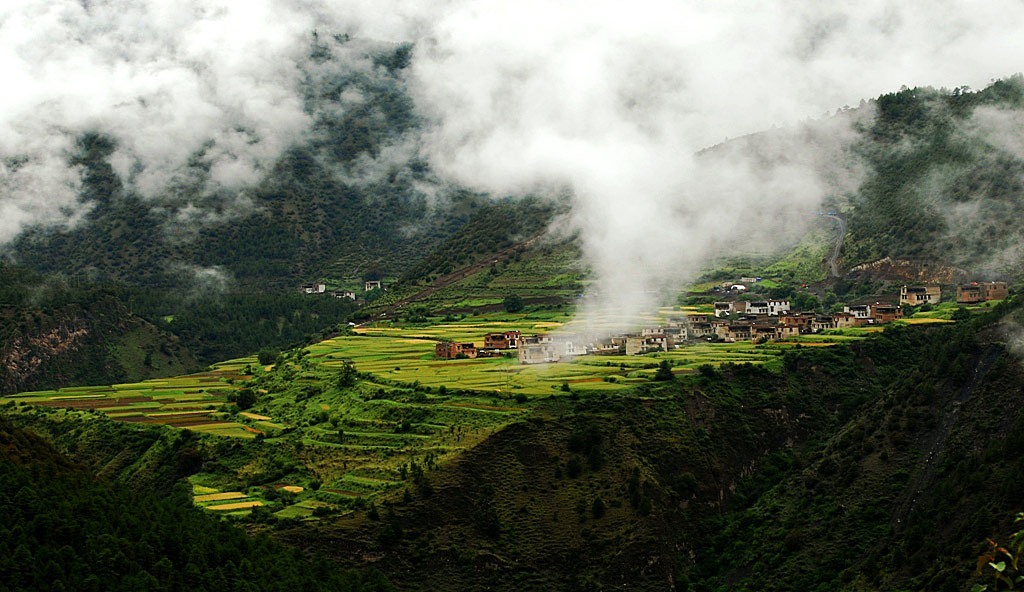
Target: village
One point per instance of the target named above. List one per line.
(738, 320)
(320, 288)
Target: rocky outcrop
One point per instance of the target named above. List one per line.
(97, 342)
(22, 355)
(904, 270)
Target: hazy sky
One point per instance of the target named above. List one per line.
(604, 100)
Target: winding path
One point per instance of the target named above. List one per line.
(833, 260)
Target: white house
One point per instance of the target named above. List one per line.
(859, 311)
(777, 307)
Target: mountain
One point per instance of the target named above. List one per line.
(346, 200)
(943, 181)
(61, 335)
(881, 462)
(65, 529)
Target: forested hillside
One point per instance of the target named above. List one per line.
(883, 463)
(61, 528)
(315, 296)
(53, 334)
(352, 198)
(944, 179)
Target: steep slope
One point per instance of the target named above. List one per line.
(883, 465)
(63, 529)
(944, 179)
(904, 494)
(60, 336)
(349, 198)
(606, 491)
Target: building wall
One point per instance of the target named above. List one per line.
(995, 290)
(918, 295)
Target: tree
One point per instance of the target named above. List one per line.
(268, 356)
(805, 301)
(664, 371)
(246, 399)
(513, 303)
(347, 375)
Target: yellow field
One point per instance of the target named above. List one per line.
(235, 506)
(925, 321)
(254, 416)
(216, 497)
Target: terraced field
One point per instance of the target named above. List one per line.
(404, 355)
(194, 401)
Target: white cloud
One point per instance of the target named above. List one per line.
(613, 103)
(607, 101)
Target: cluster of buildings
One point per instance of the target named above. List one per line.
(318, 288)
(740, 320)
(495, 344)
(756, 321)
(977, 292)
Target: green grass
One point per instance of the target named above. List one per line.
(164, 401)
(405, 354)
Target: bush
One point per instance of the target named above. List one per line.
(246, 399)
(664, 371)
(513, 303)
(573, 468)
(268, 356)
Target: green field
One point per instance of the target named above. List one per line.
(397, 355)
(193, 401)
(405, 354)
(346, 446)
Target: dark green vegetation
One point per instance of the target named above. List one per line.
(882, 464)
(943, 186)
(58, 333)
(219, 271)
(339, 205)
(904, 492)
(54, 334)
(62, 528)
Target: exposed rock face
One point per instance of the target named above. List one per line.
(96, 343)
(22, 355)
(889, 269)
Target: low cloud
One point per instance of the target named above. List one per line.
(201, 281)
(612, 105)
(606, 104)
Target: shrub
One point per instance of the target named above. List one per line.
(268, 356)
(513, 303)
(664, 372)
(573, 468)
